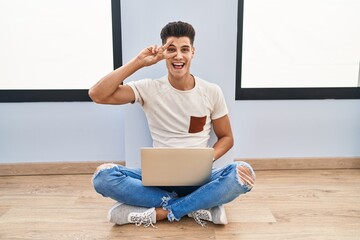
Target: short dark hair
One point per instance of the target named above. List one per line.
(177, 29)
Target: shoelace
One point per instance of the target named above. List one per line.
(201, 215)
(143, 218)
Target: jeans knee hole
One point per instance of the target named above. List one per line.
(105, 166)
(245, 176)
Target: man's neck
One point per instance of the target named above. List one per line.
(184, 83)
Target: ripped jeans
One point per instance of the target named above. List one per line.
(124, 185)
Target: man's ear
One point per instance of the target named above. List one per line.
(193, 51)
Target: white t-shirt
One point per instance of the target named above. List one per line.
(179, 118)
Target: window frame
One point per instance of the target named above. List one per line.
(282, 93)
(69, 95)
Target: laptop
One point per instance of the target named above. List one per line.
(176, 166)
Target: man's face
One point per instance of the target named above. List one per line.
(179, 65)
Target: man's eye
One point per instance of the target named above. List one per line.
(185, 50)
(171, 49)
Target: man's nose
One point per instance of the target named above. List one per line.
(178, 55)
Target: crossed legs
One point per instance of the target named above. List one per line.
(124, 185)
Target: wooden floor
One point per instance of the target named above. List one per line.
(291, 204)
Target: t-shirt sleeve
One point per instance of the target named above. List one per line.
(220, 108)
(139, 87)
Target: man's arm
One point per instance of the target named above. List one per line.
(222, 129)
(109, 89)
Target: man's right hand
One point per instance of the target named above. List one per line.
(153, 54)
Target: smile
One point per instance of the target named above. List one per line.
(178, 65)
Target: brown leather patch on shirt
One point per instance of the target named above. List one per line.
(197, 124)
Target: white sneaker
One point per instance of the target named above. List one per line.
(121, 214)
(217, 215)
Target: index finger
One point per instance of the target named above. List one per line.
(167, 44)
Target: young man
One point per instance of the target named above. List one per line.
(181, 110)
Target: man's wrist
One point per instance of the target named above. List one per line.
(138, 62)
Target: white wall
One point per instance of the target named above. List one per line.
(296, 128)
(47, 132)
(60, 132)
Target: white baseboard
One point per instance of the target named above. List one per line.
(302, 163)
(13, 169)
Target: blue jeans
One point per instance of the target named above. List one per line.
(124, 185)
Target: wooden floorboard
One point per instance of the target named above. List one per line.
(292, 204)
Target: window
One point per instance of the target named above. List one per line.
(296, 49)
(49, 53)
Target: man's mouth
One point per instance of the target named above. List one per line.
(178, 65)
